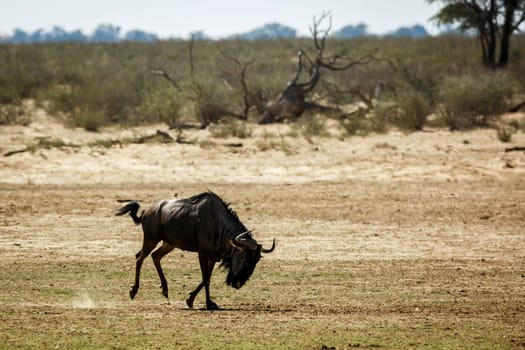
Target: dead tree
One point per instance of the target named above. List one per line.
(242, 79)
(292, 102)
(200, 90)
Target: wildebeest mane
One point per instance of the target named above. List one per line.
(226, 261)
(225, 204)
(201, 196)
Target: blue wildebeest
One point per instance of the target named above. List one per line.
(204, 224)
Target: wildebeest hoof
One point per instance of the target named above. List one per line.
(133, 292)
(212, 306)
(189, 303)
(164, 291)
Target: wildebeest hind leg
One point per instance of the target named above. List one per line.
(147, 247)
(164, 249)
(193, 294)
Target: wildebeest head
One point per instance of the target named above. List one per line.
(242, 262)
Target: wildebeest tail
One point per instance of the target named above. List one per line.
(132, 208)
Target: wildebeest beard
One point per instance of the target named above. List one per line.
(237, 280)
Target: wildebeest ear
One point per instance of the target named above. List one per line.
(237, 246)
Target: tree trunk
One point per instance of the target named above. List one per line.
(504, 50)
(492, 38)
(506, 32)
(484, 54)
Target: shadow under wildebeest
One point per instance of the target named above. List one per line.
(205, 224)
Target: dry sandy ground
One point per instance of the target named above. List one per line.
(434, 155)
(464, 170)
(431, 203)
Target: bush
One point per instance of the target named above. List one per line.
(162, 104)
(112, 83)
(413, 110)
(24, 70)
(91, 120)
(471, 100)
(210, 100)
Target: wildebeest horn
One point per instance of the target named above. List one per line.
(264, 250)
(246, 241)
(237, 245)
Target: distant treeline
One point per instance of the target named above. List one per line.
(103, 33)
(112, 33)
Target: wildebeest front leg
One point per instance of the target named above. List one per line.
(207, 266)
(164, 249)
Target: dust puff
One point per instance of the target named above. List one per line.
(84, 301)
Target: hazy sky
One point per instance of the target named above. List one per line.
(217, 18)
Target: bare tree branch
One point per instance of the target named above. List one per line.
(242, 72)
(165, 74)
(190, 53)
(315, 31)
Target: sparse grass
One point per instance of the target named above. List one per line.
(49, 143)
(360, 124)
(505, 133)
(385, 145)
(108, 143)
(311, 125)
(270, 141)
(13, 114)
(231, 128)
(310, 311)
(331, 283)
(207, 144)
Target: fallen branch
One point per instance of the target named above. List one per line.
(234, 145)
(10, 153)
(515, 149)
(517, 107)
(166, 138)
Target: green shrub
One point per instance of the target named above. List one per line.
(25, 69)
(162, 104)
(472, 100)
(211, 101)
(414, 108)
(115, 80)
